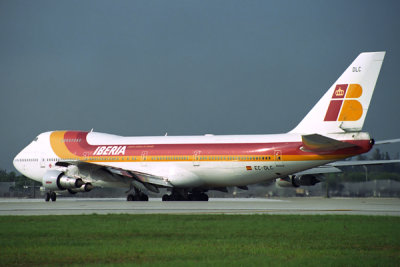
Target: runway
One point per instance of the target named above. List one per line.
(303, 206)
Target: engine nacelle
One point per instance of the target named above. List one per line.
(84, 188)
(284, 182)
(296, 181)
(57, 180)
(306, 180)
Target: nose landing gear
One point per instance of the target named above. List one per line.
(50, 195)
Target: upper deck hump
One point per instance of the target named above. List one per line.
(95, 138)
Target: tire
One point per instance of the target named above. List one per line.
(47, 197)
(166, 198)
(204, 197)
(53, 196)
(144, 197)
(130, 197)
(177, 197)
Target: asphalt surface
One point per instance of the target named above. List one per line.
(303, 206)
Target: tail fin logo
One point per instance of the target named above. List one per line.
(343, 105)
(339, 93)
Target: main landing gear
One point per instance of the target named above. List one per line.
(138, 196)
(50, 195)
(181, 196)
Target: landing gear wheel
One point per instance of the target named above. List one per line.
(137, 197)
(47, 197)
(196, 196)
(53, 196)
(166, 198)
(144, 197)
(203, 197)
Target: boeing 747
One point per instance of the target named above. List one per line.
(189, 166)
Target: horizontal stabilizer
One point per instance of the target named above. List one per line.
(385, 142)
(320, 143)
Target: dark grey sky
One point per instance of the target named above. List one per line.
(185, 67)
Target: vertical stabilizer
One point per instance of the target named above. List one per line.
(344, 106)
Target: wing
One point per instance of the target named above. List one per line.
(319, 170)
(333, 167)
(362, 162)
(145, 178)
(149, 181)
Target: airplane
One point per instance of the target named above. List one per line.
(190, 166)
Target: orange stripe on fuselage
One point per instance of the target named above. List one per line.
(73, 145)
(217, 158)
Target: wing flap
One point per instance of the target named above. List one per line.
(151, 179)
(141, 176)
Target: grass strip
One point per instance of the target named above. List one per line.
(193, 240)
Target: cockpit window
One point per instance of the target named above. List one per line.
(37, 137)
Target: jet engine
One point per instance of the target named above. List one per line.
(296, 181)
(84, 188)
(57, 180)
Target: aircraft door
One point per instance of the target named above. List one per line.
(42, 161)
(196, 158)
(278, 158)
(144, 158)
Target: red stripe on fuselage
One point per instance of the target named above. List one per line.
(82, 148)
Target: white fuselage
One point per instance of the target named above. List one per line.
(183, 161)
